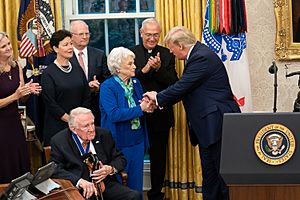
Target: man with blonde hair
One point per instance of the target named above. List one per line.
(206, 94)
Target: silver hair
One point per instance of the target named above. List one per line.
(74, 115)
(180, 35)
(73, 23)
(150, 21)
(11, 61)
(116, 57)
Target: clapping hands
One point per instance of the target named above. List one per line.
(35, 88)
(28, 88)
(153, 63)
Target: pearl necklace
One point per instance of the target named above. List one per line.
(65, 70)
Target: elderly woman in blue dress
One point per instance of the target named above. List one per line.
(122, 110)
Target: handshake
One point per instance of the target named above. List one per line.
(148, 103)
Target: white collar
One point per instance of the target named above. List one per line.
(76, 51)
(188, 55)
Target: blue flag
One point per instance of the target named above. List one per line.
(35, 28)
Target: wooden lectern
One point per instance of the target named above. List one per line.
(248, 171)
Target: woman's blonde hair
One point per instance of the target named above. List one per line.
(11, 61)
(180, 35)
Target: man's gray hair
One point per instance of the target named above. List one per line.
(180, 35)
(116, 57)
(74, 114)
(150, 21)
(75, 22)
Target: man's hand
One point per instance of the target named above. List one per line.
(153, 63)
(88, 188)
(103, 171)
(147, 105)
(94, 84)
(151, 95)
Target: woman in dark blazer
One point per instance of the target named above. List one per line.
(64, 86)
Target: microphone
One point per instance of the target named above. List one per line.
(273, 68)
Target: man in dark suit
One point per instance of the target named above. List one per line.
(67, 150)
(92, 61)
(155, 68)
(206, 93)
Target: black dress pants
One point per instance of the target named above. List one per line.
(158, 146)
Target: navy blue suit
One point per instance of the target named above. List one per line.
(206, 94)
(96, 66)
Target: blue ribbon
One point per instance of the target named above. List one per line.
(79, 145)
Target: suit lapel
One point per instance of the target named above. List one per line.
(98, 144)
(140, 56)
(90, 64)
(73, 144)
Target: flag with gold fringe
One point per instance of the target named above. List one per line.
(224, 31)
(35, 28)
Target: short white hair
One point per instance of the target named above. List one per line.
(73, 122)
(76, 22)
(115, 58)
(150, 21)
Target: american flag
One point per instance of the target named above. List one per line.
(28, 45)
(35, 28)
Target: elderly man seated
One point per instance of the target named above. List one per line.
(70, 146)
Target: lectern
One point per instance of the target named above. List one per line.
(260, 156)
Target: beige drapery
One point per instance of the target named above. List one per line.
(183, 173)
(9, 10)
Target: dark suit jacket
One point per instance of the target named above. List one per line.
(159, 120)
(65, 153)
(206, 93)
(96, 66)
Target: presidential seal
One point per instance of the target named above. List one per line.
(274, 144)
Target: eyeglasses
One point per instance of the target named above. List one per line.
(87, 127)
(82, 34)
(155, 35)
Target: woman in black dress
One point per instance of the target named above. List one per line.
(13, 150)
(64, 86)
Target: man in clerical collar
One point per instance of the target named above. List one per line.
(69, 146)
(155, 69)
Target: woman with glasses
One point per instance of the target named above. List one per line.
(64, 86)
(13, 150)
